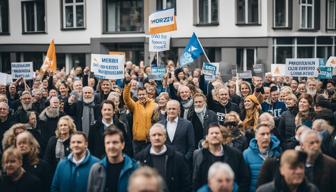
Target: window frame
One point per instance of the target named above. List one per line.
(209, 16)
(246, 14)
(24, 17)
(328, 16)
(306, 5)
(288, 15)
(164, 5)
(6, 5)
(74, 4)
(245, 49)
(105, 21)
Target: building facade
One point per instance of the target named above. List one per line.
(236, 33)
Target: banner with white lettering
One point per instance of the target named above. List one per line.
(162, 21)
(22, 69)
(108, 66)
(210, 70)
(303, 67)
(159, 42)
(157, 73)
(245, 75)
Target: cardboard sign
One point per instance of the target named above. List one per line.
(305, 67)
(326, 73)
(108, 66)
(210, 70)
(162, 21)
(159, 42)
(22, 69)
(258, 68)
(331, 62)
(157, 73)
(245, 75)
(278, 70)
(5, 79)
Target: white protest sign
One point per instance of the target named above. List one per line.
(210, 70)
(162, 21)
(331, 62)
(245, 75)
(278, 70)
(5, 79)
(159, 42)
(108, 66)
(303, 67)
(23, 69)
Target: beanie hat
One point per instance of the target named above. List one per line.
(253, 98)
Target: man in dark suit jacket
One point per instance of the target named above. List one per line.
(180, 131)
(96, 133)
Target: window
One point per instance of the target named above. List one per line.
(165, 4)
(302, 47)
(4, 16)
(281, 14)
(331, 11)
(124, 16)
(248, 12)
(207, 12)
(33, 16)
(246, 58)
(73, 14)
(309, 14)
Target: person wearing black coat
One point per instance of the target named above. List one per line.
(201, 117)
(96, 132)
(287, 127)
(6, 121)
(180, 131)
(16, 179)
(170, 164)
(223, 106)
(214, 151)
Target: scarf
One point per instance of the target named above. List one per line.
(201, 113)
(186, 105)
(87, 117)
(59, 151)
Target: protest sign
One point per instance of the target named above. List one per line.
(278, 70)
(245, 75)
(108, 66)
(5, 79)
(159, 42)
(331, 62)
(162, 21)
(23, 69)
(210, 70)
(325, 73)
(258, 68)
(322, 62)
(302, 67)
(157, 73)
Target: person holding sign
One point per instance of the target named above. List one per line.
(142, 111)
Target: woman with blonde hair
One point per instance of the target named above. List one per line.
(250, 115)
(59, 146)
(10, 135)
(30, 150)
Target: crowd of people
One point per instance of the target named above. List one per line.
(74, 132)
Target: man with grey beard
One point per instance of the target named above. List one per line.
(49, 118)
(27, 105)
(201, 117)
(85, 112)
(311, 87)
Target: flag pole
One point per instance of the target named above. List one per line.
(206, 56)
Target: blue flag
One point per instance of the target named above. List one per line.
(192, 51)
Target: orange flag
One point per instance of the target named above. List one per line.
(50, 60)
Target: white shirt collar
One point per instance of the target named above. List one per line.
(163, 150)
(79, 161)
(174, 121)
(107, 124)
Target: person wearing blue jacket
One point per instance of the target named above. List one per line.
(72, 173)
(263, 146)
(111, 174)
